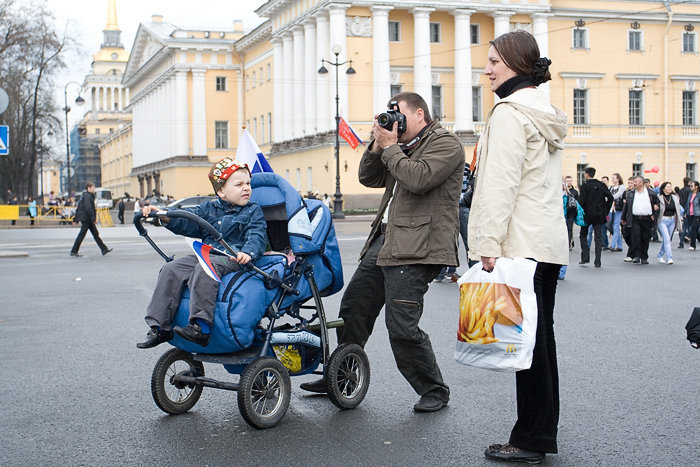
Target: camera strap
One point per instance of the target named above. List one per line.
(408, 146)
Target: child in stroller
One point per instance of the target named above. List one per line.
(243, 227)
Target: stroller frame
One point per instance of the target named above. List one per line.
(264, 388)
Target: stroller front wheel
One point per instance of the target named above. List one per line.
(347, 376)
(264, 392)
(169, 395)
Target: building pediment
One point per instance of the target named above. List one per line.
(148, 42)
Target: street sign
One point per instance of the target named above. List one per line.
(4, 140)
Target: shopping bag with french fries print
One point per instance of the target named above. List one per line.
(497, 316)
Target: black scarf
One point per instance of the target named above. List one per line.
(513, 84)
(408, 146)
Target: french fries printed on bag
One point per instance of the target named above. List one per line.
(482, 305)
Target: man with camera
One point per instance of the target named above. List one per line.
(420, 166)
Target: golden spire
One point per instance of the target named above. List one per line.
(112, 16)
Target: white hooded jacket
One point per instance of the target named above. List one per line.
(517, 204)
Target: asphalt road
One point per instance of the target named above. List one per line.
(76, 391)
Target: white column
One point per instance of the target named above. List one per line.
(501, 22)
(199, 114)
(381, 74)
(241, 97)
(277, 97)
(158, 121)
(169, 101)
(323, 99)
(297, 115)
(115, 99)
(126, 99)
(463, 71)
(181, 124)
(336, 15)
(104, 98)
(540, 29)
(287, 95)
(422, 81)
(310, 77)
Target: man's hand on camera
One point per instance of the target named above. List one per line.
(384, 138)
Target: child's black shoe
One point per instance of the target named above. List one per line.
(193, 333)
(155, 337)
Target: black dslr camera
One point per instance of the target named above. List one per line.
(386, 120)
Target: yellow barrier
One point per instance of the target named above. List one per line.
(57, 213)
(104, 217)
(9, 212)
(61, 214)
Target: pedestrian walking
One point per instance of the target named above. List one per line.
(617, 190)
(12, 202)
(120, 213)
(596, 200)
(683, 195)
(639, 213)
(31, 209)
(517, 211)
(693, 210)
(86, 214)
(571, 208)
(668, 220)
(413, 235)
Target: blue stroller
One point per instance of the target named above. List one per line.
(245, 337)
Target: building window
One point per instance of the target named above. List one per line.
(269, 72)
(580, 106)
(286, 175)
(262, 128)
(437, 103)
(691, 170)
(269, 126)
(255, 130)
(221, 83)
(97, 131)
(394, 31)
(580, 38)
(635, 107)
(476, 103)
(261, 76)
(298, 185)
(690, 108)
(475, 35)
(253, 81)
(689, 42)
(634, 41)
(396, 89)
(580, 171)
(309, 179)
(435, 33)
(220, 135)
(638, 169)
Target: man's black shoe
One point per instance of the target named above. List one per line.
(429, 403)
(318, 386)
(597, 265)
(637, 260)
(76, 254)
(508, 453)
(193, 333)
(155, 337)
(107, 251)
(584, 262)
(645, 261)
(680, 245)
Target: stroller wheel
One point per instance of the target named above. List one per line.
(170, 396)
(264, 392)
(347, 376)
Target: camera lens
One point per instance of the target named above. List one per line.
(383, 119)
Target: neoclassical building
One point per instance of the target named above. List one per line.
(625, 72)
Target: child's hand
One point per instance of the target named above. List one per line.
(146, 210)
(242, 258)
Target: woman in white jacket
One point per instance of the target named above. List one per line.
(517, 211)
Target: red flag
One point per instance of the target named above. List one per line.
(348, 134)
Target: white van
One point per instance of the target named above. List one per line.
(103, 198)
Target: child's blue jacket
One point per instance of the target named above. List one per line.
(242, 227)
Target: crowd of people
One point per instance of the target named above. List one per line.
(637, 214)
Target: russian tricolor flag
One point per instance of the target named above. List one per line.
(348, 134)
(249, 153)
(203, 253)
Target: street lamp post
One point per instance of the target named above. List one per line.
(78, 101)
(338, 201)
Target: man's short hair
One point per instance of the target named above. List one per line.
(414, 102)
(641, 178)
(686, 180)
(590, 171)
(89, 185)
(604, 177)
(646, 180)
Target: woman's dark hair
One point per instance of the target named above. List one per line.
(663, 185)
(619, 178)
(520, 53)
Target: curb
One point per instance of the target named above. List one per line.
(13, 254)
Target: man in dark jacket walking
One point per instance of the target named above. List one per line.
(639, 214)
(684, 194)
(596, 200)
(86, 214)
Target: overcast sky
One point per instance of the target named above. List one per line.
(85, 21)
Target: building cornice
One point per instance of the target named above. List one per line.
(685, 77)
(175, 161)
(622, 15)
(636, 76)
(580, 75)
(258, 35)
